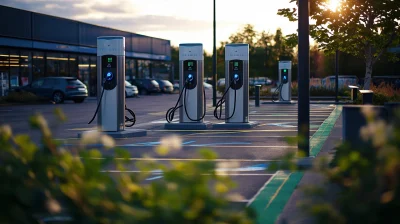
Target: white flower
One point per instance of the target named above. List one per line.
(90, 137)
(173, 142)
(107, 141)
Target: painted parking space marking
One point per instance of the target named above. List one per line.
(152, 143)
(154, 178)
(271, 199)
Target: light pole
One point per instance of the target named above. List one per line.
(303, 106)
(214, 63)
(337, 76)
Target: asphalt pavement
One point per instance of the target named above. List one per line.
(250, 149)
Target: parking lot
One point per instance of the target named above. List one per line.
(251, 149)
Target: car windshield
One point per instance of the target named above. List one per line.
(127, 83)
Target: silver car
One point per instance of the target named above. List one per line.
(130, 90)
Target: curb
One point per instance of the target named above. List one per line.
(271, 199)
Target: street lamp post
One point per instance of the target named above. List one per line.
(337, 76)
(303, 124)
(214, 62)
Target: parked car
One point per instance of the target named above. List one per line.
(130, 90)
(176, 85)
(57, 89)
(165, 86)
(207, 86)
(146, 86)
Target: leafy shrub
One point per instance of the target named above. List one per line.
(382, 94)
(43, 180)
(366, 177)
(21, 97)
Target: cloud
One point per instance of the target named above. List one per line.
(118, 14)
(153, 23)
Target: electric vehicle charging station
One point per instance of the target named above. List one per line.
(191, 101)
(285, 80)
(236, 95)
(111, 105)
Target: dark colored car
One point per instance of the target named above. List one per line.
(58, 89)
(146, 86)
(166, 86)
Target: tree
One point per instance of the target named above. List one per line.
(363, 28)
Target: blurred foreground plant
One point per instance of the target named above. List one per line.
(42, 180)
(362, 184)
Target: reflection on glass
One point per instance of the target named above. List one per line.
(129, 69)
(26, 60)
(83, 72)
(93, 77)
(73, 65)
(37, 64)
(14, 68)
(57, 64)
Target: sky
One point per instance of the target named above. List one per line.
(181, 21)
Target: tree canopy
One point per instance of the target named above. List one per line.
(363, 28)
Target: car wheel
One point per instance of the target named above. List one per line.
(58, 97)
(79, 100)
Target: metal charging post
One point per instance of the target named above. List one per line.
(236, 95)
(111, 88)
(191, 101)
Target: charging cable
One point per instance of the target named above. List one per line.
(222, 101)
(278, 92)
(129, 122)
(169, 116)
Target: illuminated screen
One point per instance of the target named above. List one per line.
(109, 59)
(190, 63)
(236, 64)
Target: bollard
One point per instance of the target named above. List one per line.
(354, 90)
(367, 96)
(257, 95)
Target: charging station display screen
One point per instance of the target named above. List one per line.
(237, 66)
(109, 71)
(190, 65)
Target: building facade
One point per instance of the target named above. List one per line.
(34, 45)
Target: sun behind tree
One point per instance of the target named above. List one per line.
(333, 5)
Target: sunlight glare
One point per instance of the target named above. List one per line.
(333, 5)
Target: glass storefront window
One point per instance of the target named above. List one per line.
(83, 72)
(14, 68)
(37, 65)
(92, 88)
(144, 70)
(73, 65)
(130, 69)
(160, 70)
(4, 70)
(57, 64)
(25, 67)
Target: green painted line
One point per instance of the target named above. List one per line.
(319, 137)
(272, 198)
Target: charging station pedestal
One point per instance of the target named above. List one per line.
(285, 79)
(285, 84)
(237, 85)
(111, 88)
(192, 105)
